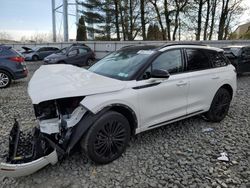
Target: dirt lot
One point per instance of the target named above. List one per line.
(182, 154)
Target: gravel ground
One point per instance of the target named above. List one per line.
(177, 155)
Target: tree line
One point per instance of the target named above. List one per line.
(158, 19)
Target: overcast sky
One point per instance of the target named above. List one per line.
(27, 17)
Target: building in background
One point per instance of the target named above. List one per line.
(242, 32)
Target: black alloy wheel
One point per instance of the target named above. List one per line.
(220, 106)
(107, 139)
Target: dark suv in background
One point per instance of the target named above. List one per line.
(239, 57)
(38, 53)
(76, 54)
(12, 66)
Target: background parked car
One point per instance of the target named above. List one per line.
(12, 66)
(38, 53)
(239, 57)
(76, 54)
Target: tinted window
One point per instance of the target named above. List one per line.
(49, 49)
(197, 60)
(170, 61)
(42, 50)
(54, 49)
(217, 59)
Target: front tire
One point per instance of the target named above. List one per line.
(35, 58)
(5, 79)
(220, 106)
(107, 138)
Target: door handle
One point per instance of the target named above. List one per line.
(215, 77)
(181, 83)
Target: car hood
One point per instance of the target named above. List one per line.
(56, 56)
(62, 81)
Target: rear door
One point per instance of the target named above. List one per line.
(204, 78)
(163, 100)
(43, 52)
(244, 63)
(73, 56)
(83, 56)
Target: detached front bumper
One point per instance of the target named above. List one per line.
(28, 153)
(24, 169)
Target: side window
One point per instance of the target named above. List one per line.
(217, 59)
(73, 52)
(82, 51)
(197, 60)
(41, 50)
(170, 61)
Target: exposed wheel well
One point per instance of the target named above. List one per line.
(129, 114)
(8, 72)
(35, 56)
(228, 88)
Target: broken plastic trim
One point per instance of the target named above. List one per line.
(24, 169)
(28, 153)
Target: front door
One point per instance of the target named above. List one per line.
(163, 100)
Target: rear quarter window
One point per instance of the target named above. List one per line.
(197, 59)
(217, 59)
(6, 52)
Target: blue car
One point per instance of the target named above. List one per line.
(12, 66)
(38, 53)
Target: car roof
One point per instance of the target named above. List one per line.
(169, 46)
(4, 46)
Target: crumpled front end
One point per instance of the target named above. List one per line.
(28, 153)
(55, 136)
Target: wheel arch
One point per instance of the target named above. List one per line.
(228, 88)
(36, 56)
(89, 118)
(128, 113)
(8, 71)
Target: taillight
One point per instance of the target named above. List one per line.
(17, 59)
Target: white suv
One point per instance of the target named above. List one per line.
(129, 91)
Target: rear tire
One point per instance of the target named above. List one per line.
(5, 79)
(220, 106)
(107, 138)
(35, 58)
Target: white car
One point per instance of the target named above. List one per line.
(129, 91)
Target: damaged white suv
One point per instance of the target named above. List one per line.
(129, 91)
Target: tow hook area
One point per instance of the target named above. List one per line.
(28, 153)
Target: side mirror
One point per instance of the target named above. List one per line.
(159, 73)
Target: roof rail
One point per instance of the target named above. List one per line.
(127, 46)
(183, 43)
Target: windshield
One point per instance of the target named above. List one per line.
(62, 51)
(121, 65)
(36, 48)
(234, 50)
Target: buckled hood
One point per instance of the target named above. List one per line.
(62, 81)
